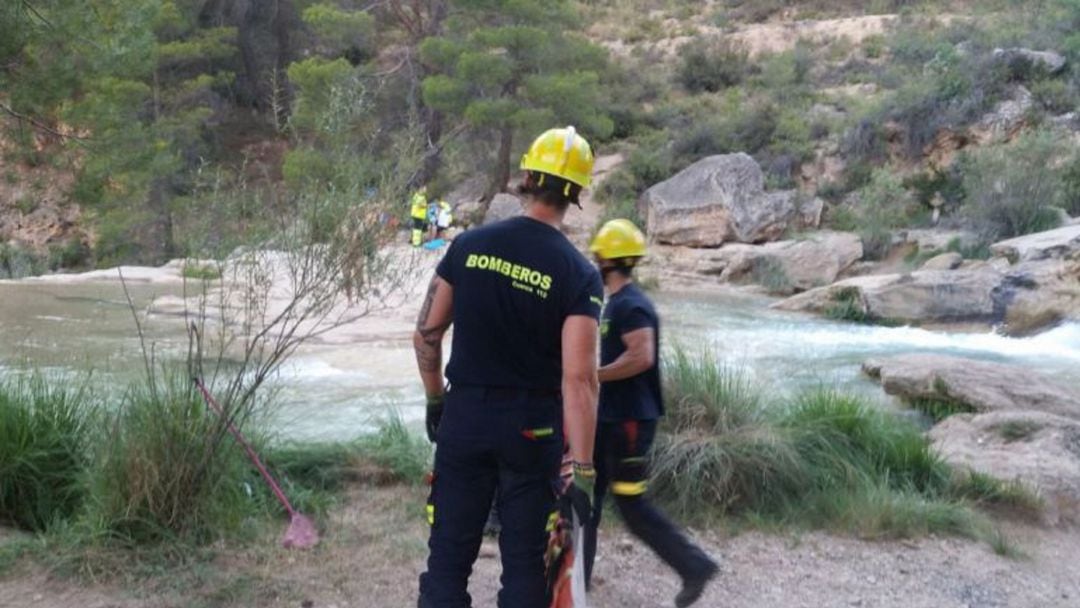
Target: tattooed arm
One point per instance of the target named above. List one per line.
(435, 317)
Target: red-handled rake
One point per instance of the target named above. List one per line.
(301, 533)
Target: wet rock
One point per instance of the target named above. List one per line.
(944, 261)
(722, 199)
(503, 206)
(1039, 449)
(980, 386)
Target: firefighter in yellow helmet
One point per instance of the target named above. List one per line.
(525, 306)
(630, 406)
(418, 211)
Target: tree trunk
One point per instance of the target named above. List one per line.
(500, 173)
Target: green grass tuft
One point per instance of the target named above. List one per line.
(939, 408)
(43, 443)
(201, 272)
(847, 306)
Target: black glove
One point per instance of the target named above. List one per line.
(433, 416)
(582, 489)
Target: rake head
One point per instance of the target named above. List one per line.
(301, 533)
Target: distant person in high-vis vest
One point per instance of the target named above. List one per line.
(525, 306)
(418, 211)
(631, 404)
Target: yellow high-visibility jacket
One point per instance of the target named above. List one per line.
(419, 206)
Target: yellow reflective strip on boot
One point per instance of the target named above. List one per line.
(628, 488)
(431, 515)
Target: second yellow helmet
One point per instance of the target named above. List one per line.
(562, 153)
(618, 239)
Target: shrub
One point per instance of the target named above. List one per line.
(1054, 96)
(712, 65)
(170, 470)
(883, 205)
(43, 441)
(749, 130)
(1012, 188)
(1070, 186)
(72, 254)
(16, 262)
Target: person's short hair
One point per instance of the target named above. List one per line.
(550, 190)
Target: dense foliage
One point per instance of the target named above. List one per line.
(184, 121)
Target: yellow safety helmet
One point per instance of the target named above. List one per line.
(618, 239)
(562, 153)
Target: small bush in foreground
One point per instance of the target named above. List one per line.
(43, 444)
(170, 470)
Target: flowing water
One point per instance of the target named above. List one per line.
(340, 391)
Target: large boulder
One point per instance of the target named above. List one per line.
(722, 199)
(1036, 295)
(1052, 244)
(1040, 450)
(925, 296)
(503, 206)
(980, 386)
(783, 267)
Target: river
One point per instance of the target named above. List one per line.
(331, 391)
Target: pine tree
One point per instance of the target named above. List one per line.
(511, 67)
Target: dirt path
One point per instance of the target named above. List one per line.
(375, 549)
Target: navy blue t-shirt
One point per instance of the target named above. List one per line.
(515, 283)
(637, 397)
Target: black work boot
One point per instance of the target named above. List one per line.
(694, 586)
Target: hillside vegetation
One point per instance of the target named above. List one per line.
(142, 130)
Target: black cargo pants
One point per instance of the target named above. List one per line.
(504, 444)
(621, 463)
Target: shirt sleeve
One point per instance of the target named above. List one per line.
(589, 298)
(445, 269)
(633, 319)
